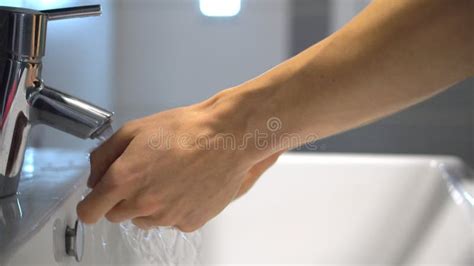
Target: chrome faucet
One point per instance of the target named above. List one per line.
(25, 99)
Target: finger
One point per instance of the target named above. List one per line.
(128, 209)
(106, 154)
(189, 228)
(143, 223)
(255, 172)
(103, 197)
(148, 222)
(192, 222)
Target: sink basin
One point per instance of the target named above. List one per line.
(308, 209)
(348, 210)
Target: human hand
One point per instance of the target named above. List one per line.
(152, 172)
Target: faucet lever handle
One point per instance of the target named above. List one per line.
(73, 12)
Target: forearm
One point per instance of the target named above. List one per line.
(392, 55)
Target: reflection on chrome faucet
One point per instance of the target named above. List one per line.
(10, 212)
(11, 216)
(26, 100)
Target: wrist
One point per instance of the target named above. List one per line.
(249, 117)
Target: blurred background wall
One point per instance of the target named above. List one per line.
(169, 54)
(145, 56)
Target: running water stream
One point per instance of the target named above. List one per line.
(106, 134)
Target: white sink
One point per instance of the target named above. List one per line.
(346, 210)
(308, 209)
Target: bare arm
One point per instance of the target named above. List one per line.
(392, 55)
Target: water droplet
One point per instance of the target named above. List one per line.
(106, 134)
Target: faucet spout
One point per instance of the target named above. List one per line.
(25, 100)
(67, 113)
